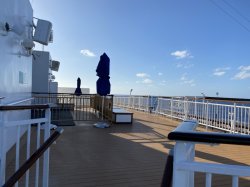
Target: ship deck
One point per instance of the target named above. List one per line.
(129, 155)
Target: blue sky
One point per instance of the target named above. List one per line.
(156, 47)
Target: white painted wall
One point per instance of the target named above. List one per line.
(16, 65)
(19, 14)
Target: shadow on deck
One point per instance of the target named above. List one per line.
(129, 155)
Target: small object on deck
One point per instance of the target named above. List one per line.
(101, 125)
(122, 116)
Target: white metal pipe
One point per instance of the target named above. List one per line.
(3, 154)
(208, 179)
(235, 181)
(46, 154)
(38, 160)
(17, 151)
(28, 154)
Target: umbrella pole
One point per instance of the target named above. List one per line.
(102, 106)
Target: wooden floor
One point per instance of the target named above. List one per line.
(129, 155)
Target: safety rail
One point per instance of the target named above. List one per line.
(67, 108)
(233, 117)
(35, 156)
(184, 165)
(142, 103)
(20, 131)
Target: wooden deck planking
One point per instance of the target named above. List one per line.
(129, 155)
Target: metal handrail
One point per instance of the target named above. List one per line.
(36, 155)
(23, 107)
(40, 93)
(210, 137)
(184, 164)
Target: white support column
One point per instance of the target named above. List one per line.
(17, 150)
(183, 152)
(208, 179)
(28, 154)
(235, 182)
(38, 160)
(2, 148)
(46, 154)
(171, 107)
(185, 109)
(233, 119)
(3, 156)
(195, 108)
(207, 116)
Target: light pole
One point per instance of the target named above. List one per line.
(203, 105)
(130, 103)
(130, 91)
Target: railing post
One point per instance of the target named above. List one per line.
(185, 109)
(148, 104)
(195, 108)
(139, 103)
(3, 156)
(46, 154)
(203, 110)
(207, 114)
(235, 181)
(171, 107)
(2, 148)
(183, 151)
(208, 179)
(233, 119)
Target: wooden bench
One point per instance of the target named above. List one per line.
(122, 116)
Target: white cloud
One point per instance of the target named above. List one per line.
(142, 75)
(163, 83)
(147, 81)
(244, 73)
(184, 65)
(185, 80)
(144, 81)
(181, 54)
(87, 53)
(160, 74)
(220, 71)
(184, 77)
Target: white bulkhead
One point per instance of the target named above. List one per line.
(16, 26)
(15, 60)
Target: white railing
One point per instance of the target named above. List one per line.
(232, 118)
(139, 103)
(184, 165)
(22, 130)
